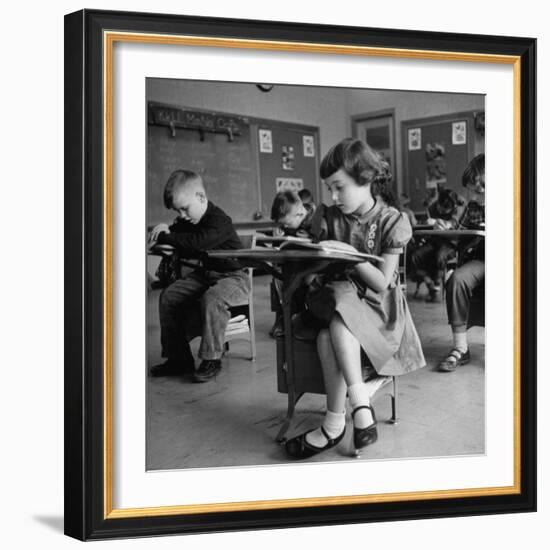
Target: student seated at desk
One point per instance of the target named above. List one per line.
(293, 218)
(429, 260)
(306, 197)
(470, 275)
(361, 311)
(216, 285)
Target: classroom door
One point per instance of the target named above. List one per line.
(288, 159)
(378, 131)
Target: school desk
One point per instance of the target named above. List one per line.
(449, 233)
(291, 266)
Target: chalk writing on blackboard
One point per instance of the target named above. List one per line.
(173, 118)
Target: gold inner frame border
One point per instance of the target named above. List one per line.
(109, 40)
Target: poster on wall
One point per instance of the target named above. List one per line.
(266, 142)
(415, 139)
(459, 132)
(309, 146)
(289, 184)
(288, 157)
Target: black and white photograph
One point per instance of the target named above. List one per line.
(290, 310)
(315, 274)
(248, 248)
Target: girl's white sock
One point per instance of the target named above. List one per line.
(460, 341)
(374, 384)
(333, 423)
(359, 395)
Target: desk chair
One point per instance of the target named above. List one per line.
(308, 373)
(239, 331)
(244, 331)
(403, 270)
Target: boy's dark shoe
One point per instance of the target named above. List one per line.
(172, 367)
(277, 328)
(434, 295)
(454, 359)
(208, 369)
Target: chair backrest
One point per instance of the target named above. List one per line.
(248, 240)
(403, 269)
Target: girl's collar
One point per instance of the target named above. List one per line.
(367, 216)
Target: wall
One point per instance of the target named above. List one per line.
(323, 107)
(329, 108)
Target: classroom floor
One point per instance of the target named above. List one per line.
(233, 419)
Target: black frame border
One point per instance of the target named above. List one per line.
(84, 259)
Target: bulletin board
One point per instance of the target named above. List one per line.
(436, 150)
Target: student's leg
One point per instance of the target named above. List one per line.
(459, 289)
(173, 302)
(276, 306)
(335, 383)
(347, 351)
(228, 291)
(437, 265)
(421, 260)
(443, 254)
(334, 422)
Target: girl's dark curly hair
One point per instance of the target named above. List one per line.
(474, 170)
(361, 163)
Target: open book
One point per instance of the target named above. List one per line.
(327, 247)
(280, 239)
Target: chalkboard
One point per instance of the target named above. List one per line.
(225, 162)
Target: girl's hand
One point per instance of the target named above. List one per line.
(156, 231)
(278, 232)
(313, 282)
(378, 278)
(339, 245)
(440, 224)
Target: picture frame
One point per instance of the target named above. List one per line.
(90, 36)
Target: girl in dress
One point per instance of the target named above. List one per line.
(363, 312)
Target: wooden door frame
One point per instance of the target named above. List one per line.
(371, 115)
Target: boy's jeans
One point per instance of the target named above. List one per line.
(199, 305)
(459, 290)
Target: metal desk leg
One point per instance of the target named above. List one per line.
(292, 278)
(289, 414)
(393, 419)
(288, 291)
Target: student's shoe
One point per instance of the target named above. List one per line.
(172, 367)
(364, 436)
(434, 295)
(454, 359)
(208, 369)
(299, 448)
(277, 329)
